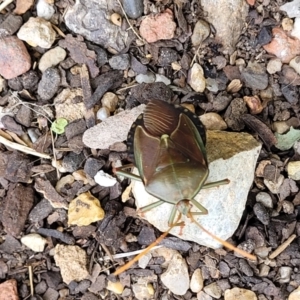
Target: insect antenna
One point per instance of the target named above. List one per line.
(146, 250)
(224, 243)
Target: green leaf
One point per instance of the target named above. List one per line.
(287, 140)
(58, 126)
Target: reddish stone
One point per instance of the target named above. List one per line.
(283, 46)
(14, 57)
(8, 290)
(158, 27)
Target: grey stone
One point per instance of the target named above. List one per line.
(89, 18)
(220, 13)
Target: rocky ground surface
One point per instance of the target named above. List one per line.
(73, 76)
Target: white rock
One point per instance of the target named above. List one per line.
(274, 65)
(296, 29)
(103, 113)
(196, 78)
(104, 179)
(295, 295)
(34, 241)
(213, 121)
(225, 151)
(295, 64)
(291, 8)
(37, 32)
(112, 130)
(176, 278)
(200, 33)
(196, 284)
(52, 58)
(293, 169)
(145, 78)
(287, 24)
(110, 100)
(44, 9)
(265, 199)
(162, 78)
(238, 293)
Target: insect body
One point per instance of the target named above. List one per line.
(167, 145)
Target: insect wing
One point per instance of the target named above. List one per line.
(188, 140)
(146, 152)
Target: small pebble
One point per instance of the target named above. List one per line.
(68, 179)
(296, 28)
(158, 27)
(37, 32)
(239, 294)
(200, 33)
(34, 242)
(274, 187)
(255, 77)
(176, 277)
(49, 84)
(282, 46)
(213, 121)
(52, 58)
(254, 104)
(44, 9)
(162, 78)
(264, 270)
(133, 8)
(212, 85)
(196, 78)
(196, 284)
(84, 210)
(32, 134)
(293, 169)
(141, 291)
(234, 86)
(115, 287)
(261, 213)
(295, 64)
(285, 274)
(280, 127)
(116, 19)
(72, 261)
(14, 51)
(287, 24)
(119, 62)
(213, 290)
(105, 179)
(145, 78)
(274, 65)
(262, 251)
(110, 101)
(144, 260)
(265, 199)
(203, 296)
(295, 295)
(102, 113)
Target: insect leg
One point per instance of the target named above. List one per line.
(216, 183)
(120, 171)
(203, 210)
(150, 206)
